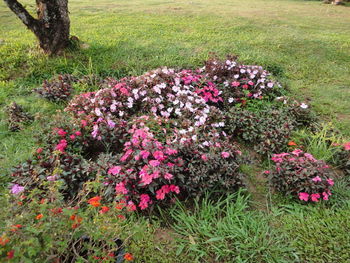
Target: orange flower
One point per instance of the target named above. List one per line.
(20, 203)
(10, 254)
(95, 201)
(4, 241)
(104, 209)
(128, 257)
(291, 143)
(40, 216)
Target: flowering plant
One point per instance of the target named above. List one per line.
(177, 146)
(300, 175)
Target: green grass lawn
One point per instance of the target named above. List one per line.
(305, 44)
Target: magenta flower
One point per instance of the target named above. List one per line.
(17, 189)
(120, 188)
(315, 197)
(159, 155)
(225, 154)
(330, 182)
(317, 179)
(154, 163)
(325, 196)
(114, 170)
(304, 196)
(204, 157)
(347, 146)
(168, 176)
(61, 132)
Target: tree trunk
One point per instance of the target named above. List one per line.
(52, 25)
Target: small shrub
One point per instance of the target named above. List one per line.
(57, 89)
(17, 117)
(300, 175)
(269, 130)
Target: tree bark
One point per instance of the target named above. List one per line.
(52, 25)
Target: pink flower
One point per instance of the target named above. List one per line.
(225, 154)
(170, 151)
(144, 201)
(51, 178)
(204, 157)
(72, 137)
(304, 196)
(61, 146)
(317, 179)
(347, 146)
(235, 84)
(61, 132)
(77, 133)
(154, 163)
(174, 188)
(297, 152)
(39, 150)
(325, 196)
(170, 164)
(114, 170)
(120, 188)
(131, 206)
(330, 182)
(126, 155)
(315, 197)
(111, 124)
(144, 154)
(17, 189)
(159, 155)
(168, 176)
(84, 123)
(267, 172)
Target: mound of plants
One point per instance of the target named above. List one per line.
(149, 138)
(300, 175)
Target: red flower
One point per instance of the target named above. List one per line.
(10, 254)
(104, 209)
(95, 201)
(128, 257)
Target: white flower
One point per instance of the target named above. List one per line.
(98, 112)
(178, 112)
(230, 100)
(270, 84)
(113, 108)
(236, 76)
(176, 89)
(194, 137)
(176, 102)
(157, 89)
(304, 106)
